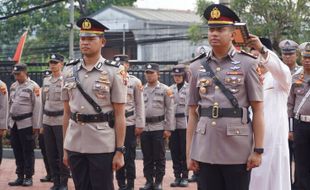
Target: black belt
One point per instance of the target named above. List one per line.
(179, 115)
(53, 113)
(130, 113)
(216, 112)
(21, 117)
(92, 118)
(155, 119)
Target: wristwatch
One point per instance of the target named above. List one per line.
(264, 50)
(259, 150)
(121, 149)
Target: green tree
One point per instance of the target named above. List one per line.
(47, 31)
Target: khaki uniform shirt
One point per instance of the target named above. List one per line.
(159, 101)
(25, 98)
(296, 70)
(180, 100)
(135, 102)
(105, 85)
(299, 89)
(224, 140)
(4, 105)
(51, 100)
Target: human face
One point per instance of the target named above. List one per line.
(126, 65)
(220, 36)
(305, 61)
(289, 59)
(151, 76)
(91, 45)
(55, 66)
(21, 77)
(178, 79)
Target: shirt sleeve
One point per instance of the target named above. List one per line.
(4, 105)
(37, 103)
(193, 94)
(253, 84)
(169, 110)
(119, 87)
(139, 105)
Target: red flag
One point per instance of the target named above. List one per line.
(20, 47)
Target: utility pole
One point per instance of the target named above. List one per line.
(71, 37)
(124, 40)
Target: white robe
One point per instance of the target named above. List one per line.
(274, 172)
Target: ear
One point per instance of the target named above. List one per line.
(103, 42)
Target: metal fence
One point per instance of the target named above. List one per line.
(35, 71)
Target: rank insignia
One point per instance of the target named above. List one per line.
(234, 68)
(235, 62)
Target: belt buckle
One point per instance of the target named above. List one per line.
(215, 111)
(77, 117)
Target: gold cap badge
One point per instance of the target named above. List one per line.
(86, 24)
(215, 13)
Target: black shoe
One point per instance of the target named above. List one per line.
(176, 182)
(122, 187)
(46, 179)
(148, 186)
(183, 183)
(158, 186)
(27, 182)
(194, 178)
(55, 187)
(17, 182)
(63, 187)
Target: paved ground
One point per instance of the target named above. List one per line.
(7, 172)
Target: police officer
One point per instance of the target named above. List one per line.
(94, 95)
(52, 114)
(135, 122)
(289, 54)
(24, 104)
(160, 121)
(3, 112)
(299, 109)
(177, 141)
(224, 83)
(289, 57)
(48, 177)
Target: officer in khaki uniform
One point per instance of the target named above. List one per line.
(289, 55)
(224, 83)
(24, 105)
(299, 109)
(3, 112)
(177, 141)
(160, 121)
(94, 94)
(135, 122)
(52, 115)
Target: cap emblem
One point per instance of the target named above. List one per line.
(86, 24)
(215, 13)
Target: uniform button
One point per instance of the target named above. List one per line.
(237, 132)
(213, 123)
(216, 104)
(83, 124)
(82, 107)
(86, 76)
(218, 69)
(216, 87)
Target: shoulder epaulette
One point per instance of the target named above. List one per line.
(73, 62)
(198, 57)
(112, 63)
(248, 54)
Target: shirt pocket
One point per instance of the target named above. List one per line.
(299, 91)
(102, 92)
(233, 83)
(204, 85)
(158, 101)
(237, 130)
(56, 94)
(24, 98)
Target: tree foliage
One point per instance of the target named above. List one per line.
(47, 31)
